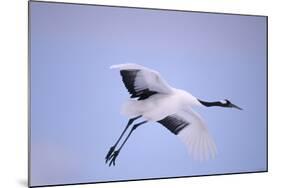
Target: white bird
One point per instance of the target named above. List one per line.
(154, 100)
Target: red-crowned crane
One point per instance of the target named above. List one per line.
(154, 100)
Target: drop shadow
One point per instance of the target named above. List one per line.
(23, 183)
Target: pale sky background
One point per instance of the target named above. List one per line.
(76, 98)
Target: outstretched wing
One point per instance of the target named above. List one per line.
(142, 82)
(190, 128)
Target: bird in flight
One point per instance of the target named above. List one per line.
(154, 100)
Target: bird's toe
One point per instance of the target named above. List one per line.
(109, 154)
(113, 157)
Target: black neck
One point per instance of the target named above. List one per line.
(210, 104)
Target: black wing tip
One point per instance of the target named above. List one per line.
(173, 123)
(128, 78)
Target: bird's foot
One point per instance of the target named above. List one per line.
(109, 153)
(113, 157)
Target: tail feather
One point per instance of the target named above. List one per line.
(131, 108)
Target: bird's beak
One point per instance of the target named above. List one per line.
(234, 106)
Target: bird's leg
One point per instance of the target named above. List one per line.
(112, 148)
(113, 157)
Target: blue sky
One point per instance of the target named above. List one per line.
(76, 98)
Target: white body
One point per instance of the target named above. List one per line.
(169, 101)
(159, 106)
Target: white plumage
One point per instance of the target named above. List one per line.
(146, 78)
(156, 101)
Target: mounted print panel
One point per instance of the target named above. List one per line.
(120, 93)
